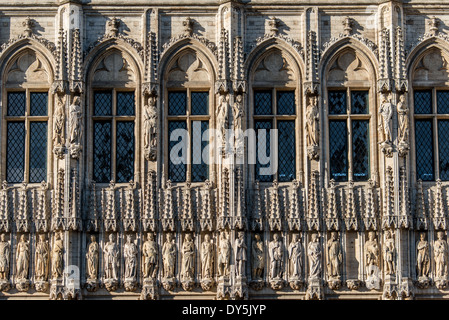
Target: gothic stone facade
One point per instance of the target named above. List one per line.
(91, 207)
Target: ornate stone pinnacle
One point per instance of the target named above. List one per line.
(348, 24)
(188, 24)
(29, 24)
(274, 24)
(113, 26)
(434, 22)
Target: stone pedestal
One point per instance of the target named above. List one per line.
(314, 290)
(240, 290)
(149, 290)
(224, 288)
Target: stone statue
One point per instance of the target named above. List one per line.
(276, 252)
(314, 254)
(371, 253)
(312, 122)
(238, 116)
(295, 256)
(403, 120)
(5, 249)
(207, 257)
(188, 254)
(22, 258)
(223, 116)
(58, 122)
(441, 256)
(169, 256)
(389, 254)
(130, 253)
(258, 261)
(76, 121)
(422, 256)
(42, 256)
(92, 259)
(386, 112)
(334, 256)
(149, 257)
(150, 126)
(57, 257)
(224, 255)
(111, 262)
(240, 254)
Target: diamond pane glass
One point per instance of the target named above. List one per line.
(177, 103)
(177, 146)
(263, 151)
(15, 154)
(103, 103)
(125, 104)
(443, 148)
(338, 147)
(125, 151)
(200, 103)
(38, 103)
(286, 150)
(424, 150)
(286, 102)
(102, 151)
(443, 101)
(337, 102)
(16, 104)
(360, 152)
(200, 169)
(262, 102)
(38, 151)
(360, 102)
(423, 101)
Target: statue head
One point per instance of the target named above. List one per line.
(440, 235)
(239, 98)
(2, 237)
(241, 235)
(257, 237)
(371, 235)
(206, 237)
(150, 237)
(41, 237)
(276, 237)
(295, 237)
(334, 235)
(128, 238)
(422, 236)
(188, 237)
(111, 237)
(314, 237)
(92, 238)
(22, 238)
(168, 236)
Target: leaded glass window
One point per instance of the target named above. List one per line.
(27, 136)
(113, 136)
(349, 144)
(275, 109)
(188, 135)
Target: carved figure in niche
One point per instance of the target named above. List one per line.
(389, 253)
(386, 112)
(276, 256)
(314, 253)
(224, 255)
(42, 256)
(111, 262)
(295, 256)
(149, 253)
(58, 122)
(223, 115)
(240, 254)
(5, 249)
(422, 256)
(130, 253)
(403, 119)
(169, 256)
(57, 257)
(238, 115)
(207, 257)
(22, 258)
(150, 124)
(188, 253)
(371, 253)
(334, 256)
(441, 256)
(258, 260)
(312, 122)
(76, 121)
(92, 258)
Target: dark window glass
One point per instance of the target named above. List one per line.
(177, 103)
(443, 101)
(125, 151)
(338, 145)
(200, 169)
(103, 103)
(125, 104)
(177, 168)
(424, 150)
(286, 141)
(286, 102)
(38, 151)
(360, 102)
(262, 102)
(200, 103)
(102, 151)
(263, 144)
(360, 152)
(38, 103)
(423, 101)
(15, 154)
(443, 148)
(337, 102)
(16, 104)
